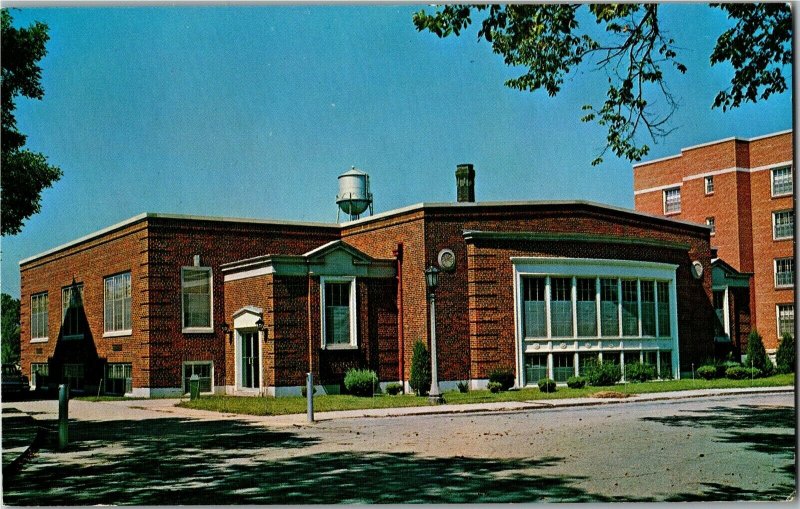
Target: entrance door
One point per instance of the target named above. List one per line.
(250, 361)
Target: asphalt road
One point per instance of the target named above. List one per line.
(706, 449)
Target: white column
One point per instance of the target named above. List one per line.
(547, 305)
(574, 307)
(597, 304)
(639, 304)
(619, 305)
(655, 298)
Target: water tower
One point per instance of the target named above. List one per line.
(354, 196)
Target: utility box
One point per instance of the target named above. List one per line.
(194, 387)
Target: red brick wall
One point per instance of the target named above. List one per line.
(255, 291)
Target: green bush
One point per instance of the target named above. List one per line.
(547, 385)
(707, 372)
(495, 386)
(741, 373)
(576, 382)
(420, 380)
(639, 372)
(463, 387)
(786, 357)
(503, 376)
(723, 367)
(304, 391)
(756, 354)
(394, 389)
(601, 374)
(361, 382)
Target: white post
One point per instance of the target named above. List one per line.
(433, 395)
(310, 396)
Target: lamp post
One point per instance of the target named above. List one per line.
(431, 281)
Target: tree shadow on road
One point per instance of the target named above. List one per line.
(181, 461)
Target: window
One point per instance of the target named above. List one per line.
(39, 373)
(632, 357)
(666, 365)
(118, 378)
(650, 358)
(72, 315)
(586, 307)
(39, 316)
(709, 184)
(711, 223)
(535, 367)
(73, 375)
(663, 308)
(533, 302)
(648, 308)
(586, 360)
(785, 319)
(563, 366)
(630, 308)
(611, 358)
(197, 299)
(672, 200)
(338, 301)
(560, 307)
(117, 299)
(782, 181)
(609, 307)
(784, 272)
(204, 370)
(783, 224)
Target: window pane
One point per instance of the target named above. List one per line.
(196, 298)
(782, 181)
(666, 365)
(784, 224)
(630, 308)
(563, 366)
(535, 368)
(534, 308)
(672, 200)
(609, 300)
(663, 309)
(648, 308)
(784, 272)
(560, 307)
(585, 359)
(337, 313)
(785, 319)
(39, 316)
(586, 307)
(72, 310)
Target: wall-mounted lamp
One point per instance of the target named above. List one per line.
(226, 330)
(262, 328)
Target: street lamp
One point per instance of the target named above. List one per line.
(432, 281)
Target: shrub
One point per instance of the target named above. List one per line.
(707, 372)
(463, 387)
(420, 380)
(495, 386)
(394, 389)
(723, 367)
(361, 382)
(756, 354)
(741, 373)
(547, 385)
(786, 357)
(576, 382)
(503, 376)
(638, 372)
(598, 374)
(304, 391)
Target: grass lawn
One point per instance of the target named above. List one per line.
(297, 405)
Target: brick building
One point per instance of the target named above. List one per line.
(743, 190)
(251, 305)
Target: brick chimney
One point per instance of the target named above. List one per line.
(465, 183)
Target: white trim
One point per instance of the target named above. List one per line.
(772, 180)
(658, 188)
(237, 360)
(353, 311)
(722, 171)
(40, 340)
(118, 333)
(775, 272)
(664, 200)
(210, 327)
(195, 363)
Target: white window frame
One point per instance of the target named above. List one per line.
(778, 319)
(775, 264)
(64, 309)
(196, 363)
(210, 327)
(353, 312)
(772, 181)
(36, 320)
(775, 224)
(664, 195)
(107, 332)
(709, 189)
(711, 222)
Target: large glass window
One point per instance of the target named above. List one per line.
(784, 272)
(535, 367)
(533, 302)
(586, 307)
(73, 375)
(40, 371)
(630, 308)
(672, 200)
(585, 360)
(339, 298)
(648, 308)
(663, 309)
(563, 366)
(117, 303)
(39, 316)
(782, 182)
(204, 371)
(666, 365)
(72, 315)
(118, 378)
(783, 224)
(785, 319)
(609, 307)
(197, 294)
(560, 307)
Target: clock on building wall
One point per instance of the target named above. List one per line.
(447, 259)
(697, 269)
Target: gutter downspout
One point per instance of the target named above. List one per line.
(308, 318)
(398, 253)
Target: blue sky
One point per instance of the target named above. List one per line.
(253, 111)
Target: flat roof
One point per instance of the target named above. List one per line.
(708, 143)
(356, 222)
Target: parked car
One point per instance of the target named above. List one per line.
(14, 382)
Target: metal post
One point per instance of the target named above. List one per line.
(310, 396)
(433, 395)
(63, 415)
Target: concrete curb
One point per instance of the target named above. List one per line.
(18, 462)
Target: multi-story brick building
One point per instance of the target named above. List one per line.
(252, 305)
(743, 190)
